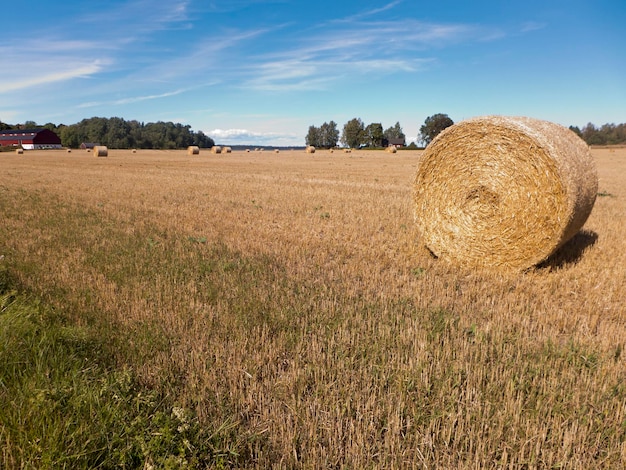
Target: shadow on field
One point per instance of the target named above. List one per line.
(572, 251)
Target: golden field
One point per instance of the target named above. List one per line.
(285, 300)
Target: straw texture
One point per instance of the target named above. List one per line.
(503, 192)
(100, 151)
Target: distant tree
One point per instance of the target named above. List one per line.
(576, 130)
(353, 132)
(329, 135)
(433, 125)
(118, 133)
(313, 137)
(591, 135)
(394, 132)
(373, 135)
(30, 125)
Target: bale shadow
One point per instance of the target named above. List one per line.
(571, 252)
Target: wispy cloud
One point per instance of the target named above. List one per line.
(134, 99)
(329, 54)
(368, 13)
(56, 76)
(531, 26)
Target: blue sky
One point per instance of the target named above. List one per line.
(261, 72)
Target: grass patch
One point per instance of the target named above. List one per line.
(64, 405)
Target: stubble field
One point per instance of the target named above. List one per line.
(283, 300)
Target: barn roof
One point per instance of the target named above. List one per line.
(21, 131)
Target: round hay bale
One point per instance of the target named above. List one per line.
(69, 150)
(276, 151)
(227, 150)
(19, 151)
(100, 151)
(134, 151)
(503, 192)
(247, 150)
(310, 149)
(193, 150)
(347, 150)
(216, 149)
(391, 149)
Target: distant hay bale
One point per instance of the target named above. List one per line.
(247, 150)
(69, 150)
(503, 192)
(347, 150)
(391, 149)
(276, 151)
(226, 150)
(193, 150)
(310, 149)
(134, 150)
(19, 151)
(100, 151)
(216, 149)
(331, 150)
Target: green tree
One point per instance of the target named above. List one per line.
(313, 137)
(394, 132)
(433, 125)
(329, 135)
(373, 135)
(353, 131)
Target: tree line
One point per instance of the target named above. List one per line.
(117, 133)
(607, 134)
(356, 134)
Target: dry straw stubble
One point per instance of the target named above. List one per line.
(503, 192)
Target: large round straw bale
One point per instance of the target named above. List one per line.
(19, 151)
(226, 150)
(503, 192)
(100, 151)
(391, 149)
(216, 149)
(310, 149)
(193, 150)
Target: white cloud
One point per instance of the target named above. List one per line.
(247, 137)
(531, 26)
(77, 71)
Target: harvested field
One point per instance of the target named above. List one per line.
(285, 301)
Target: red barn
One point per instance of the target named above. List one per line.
(30, 139)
